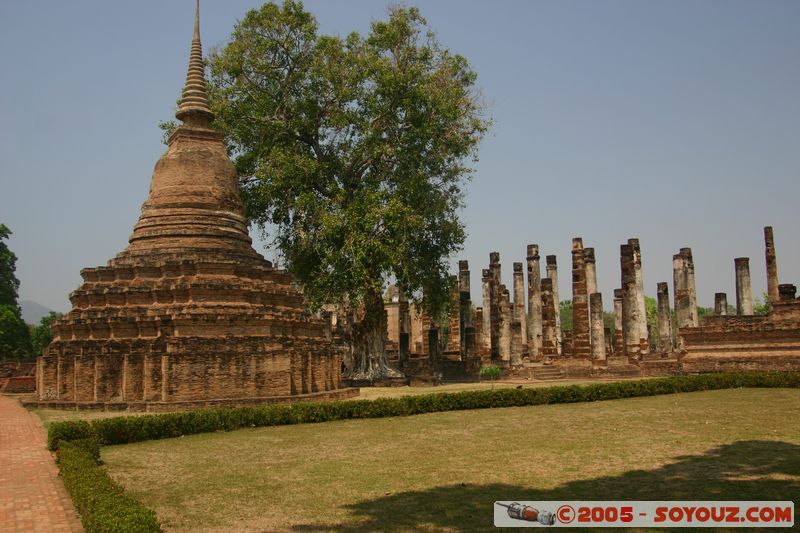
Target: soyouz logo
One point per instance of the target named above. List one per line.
(644, 514)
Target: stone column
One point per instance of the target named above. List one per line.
(477, 324)
(452, 322)
(787, 292)
(772, 265)
(597, 329)
(534, 325)
(631, 328)
(495, 298)
(404, 327)
(591, 271)
(486, 315)
(618, 346)
(504, 326)
(469, 343)
(720, 304)
(549, 339)
(690, 285)
(664, 319)
(644, 335)
(516, 342)
(581, 342)
(519, 302)
(685, 295)
(744, 292)
(552, 273)
(433, 345)
(464, 305)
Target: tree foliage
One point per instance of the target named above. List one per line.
(352, 152)
(705, 311)
(761, 306)
(651, 314)
(14, 337)
(41, 336)
(565, 310)
(9, 284)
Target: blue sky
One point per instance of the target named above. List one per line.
(677, 122)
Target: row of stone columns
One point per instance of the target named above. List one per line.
(513, 332)
(508, 331)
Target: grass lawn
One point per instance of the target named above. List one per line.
(443, 471)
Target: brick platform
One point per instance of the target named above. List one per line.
(32, 496)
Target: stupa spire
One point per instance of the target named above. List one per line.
(194, 101)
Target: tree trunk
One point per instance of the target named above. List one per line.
(367, 345)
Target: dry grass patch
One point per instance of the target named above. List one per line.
(372, 393)
(442, 471)
(48, 416)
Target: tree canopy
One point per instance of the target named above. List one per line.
(14, 336)
(41, 334)
(9, 284)
(353, 152)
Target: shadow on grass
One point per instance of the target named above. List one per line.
(745, 470)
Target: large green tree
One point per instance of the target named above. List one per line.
(14, 336)
(353, 154)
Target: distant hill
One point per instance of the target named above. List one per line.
(33, 312)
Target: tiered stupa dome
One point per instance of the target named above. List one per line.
(189, 312)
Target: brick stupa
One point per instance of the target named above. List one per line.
(189, 313)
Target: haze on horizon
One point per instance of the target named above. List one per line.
(674, 122)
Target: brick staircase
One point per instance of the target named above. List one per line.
(548, 372)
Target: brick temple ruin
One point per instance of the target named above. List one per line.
(189, 313)
(521, 330)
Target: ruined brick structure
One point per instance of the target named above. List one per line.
(744, 341)
(189, 313)
(591, 349)
(17, 377)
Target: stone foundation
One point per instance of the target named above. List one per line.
(339, 394)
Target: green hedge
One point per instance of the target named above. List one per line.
(121, 430)
(101, 503)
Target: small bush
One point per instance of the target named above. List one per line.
(101, 502)
(68, 431)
